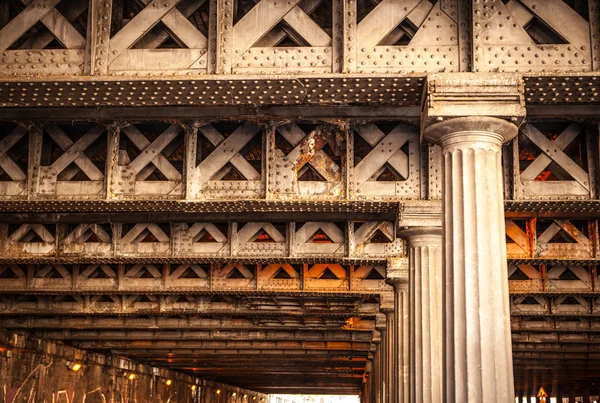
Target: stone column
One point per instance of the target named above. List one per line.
(369, 381)
(380, 325)
(425, 307)
(376, 370)
(390, 353)
(477, 345)
(397, 276)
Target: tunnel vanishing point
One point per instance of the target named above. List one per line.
(213, 201)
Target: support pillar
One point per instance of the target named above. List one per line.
(425, 291)
(376, 370)
(477, 342)
(380, 325)
(397, 276)
(367, 396)
(389, 357)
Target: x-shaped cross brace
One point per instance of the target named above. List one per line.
(214, 166)
(308, 149)
(304, 234)
(182, 268)
(84, 231)
(557, 14)
(140, 231)
(250, 230)
(386, 149)
(552, 151)
(514, 232)
(247, 33)
(380, 22)
(157, 11)
(566, 226)
(74, 152)
(366, 231)
(186, 9)
(48, 268)
(60, 28)
(110, 273)
(6, 163)
(196, 230)
(136, 271)
(43, 11)
(151, 156)
(22, 233)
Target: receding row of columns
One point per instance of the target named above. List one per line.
(448, 337)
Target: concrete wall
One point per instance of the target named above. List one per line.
(36, 371)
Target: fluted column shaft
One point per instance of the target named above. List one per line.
(376, 384)
(383, 353)
(477, 340)
(369, 383)
(400, 359)
(425, 306)
(390, 347)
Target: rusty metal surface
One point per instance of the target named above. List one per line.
(213, 91)
(258, 211)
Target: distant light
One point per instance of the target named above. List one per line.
(245, 396)
(218, 392)
(169, 382)
(233, 394)
(193, 387)
(74, 366)
(131, 377)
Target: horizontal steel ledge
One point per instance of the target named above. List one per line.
(176, 210)
(354, 89)
(199, 353)
(183, 335)
(199, 346)
(157, 259)
(251, 113)
(261, 211)
(338, 209)
(254, 113)
(367, 313)
(158, 322)
(214, 91)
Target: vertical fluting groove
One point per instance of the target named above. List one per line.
(399, 384)
(376, 395)
(405, 346)
(425, 286)
(381, 365)
(401, 340)
(477, 351)
(391, 353)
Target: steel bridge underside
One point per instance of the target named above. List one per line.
(190, 189)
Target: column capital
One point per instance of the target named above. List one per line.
(422, 236)
(472, 95)
(380, 324)
(396, 273)
(482, 129)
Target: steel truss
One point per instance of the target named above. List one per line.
(263, 223)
